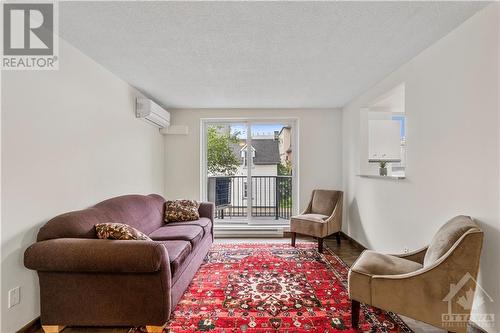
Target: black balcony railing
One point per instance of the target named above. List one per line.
(271, 196)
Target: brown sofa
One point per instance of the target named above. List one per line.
(426, 284)
(85, 281)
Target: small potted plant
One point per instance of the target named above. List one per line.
(382, 170)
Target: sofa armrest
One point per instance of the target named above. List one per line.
(96, 255)
(207, 209)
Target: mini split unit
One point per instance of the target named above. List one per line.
(151, 112)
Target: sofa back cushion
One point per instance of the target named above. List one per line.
(447, 236)
(143, 212)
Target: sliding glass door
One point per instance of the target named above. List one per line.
(248, 170)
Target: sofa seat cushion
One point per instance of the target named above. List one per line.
(371, 263)
(203, 222)
(178, 251)
(191, 233)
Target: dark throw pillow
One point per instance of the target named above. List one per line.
(119, 231)
(181, 210)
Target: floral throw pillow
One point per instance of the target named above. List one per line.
(181, 210)
(119, 231)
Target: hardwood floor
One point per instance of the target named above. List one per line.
(348, 251)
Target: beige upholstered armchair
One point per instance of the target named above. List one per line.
(430, 285)
(322, 217)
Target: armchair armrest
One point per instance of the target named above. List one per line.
(335, 219)
(96, 255)
(207, 209)
(337, 210)
(415, 256)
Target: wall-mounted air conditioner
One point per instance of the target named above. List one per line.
(152, 112)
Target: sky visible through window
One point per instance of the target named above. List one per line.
(265, 129)
(402, 120)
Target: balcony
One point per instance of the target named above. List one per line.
(271, 197)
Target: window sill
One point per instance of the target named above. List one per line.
(383, 177)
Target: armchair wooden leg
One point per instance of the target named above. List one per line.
(354, 314)
(338, 238)
(320, 245)
(294, 236)
(154, 329)
(52, 328)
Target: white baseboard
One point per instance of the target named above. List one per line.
(245, 230)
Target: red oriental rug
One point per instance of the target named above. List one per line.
(273, 287)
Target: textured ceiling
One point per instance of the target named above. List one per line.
(256, 54)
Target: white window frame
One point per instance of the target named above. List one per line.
(293, 122)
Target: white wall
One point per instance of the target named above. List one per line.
(69, 139)
(320, 148)
(452, 109)
(498, 116)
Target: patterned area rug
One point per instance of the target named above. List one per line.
(259, 288)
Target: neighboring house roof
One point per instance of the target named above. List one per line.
(266, 151)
